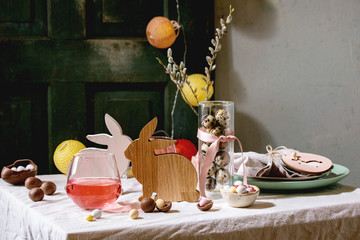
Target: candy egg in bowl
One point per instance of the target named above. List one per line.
(237, 200)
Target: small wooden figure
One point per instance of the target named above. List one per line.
(117, 143)
(170, 175)
(307, 162)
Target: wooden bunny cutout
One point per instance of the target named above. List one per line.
(117, 143)
(172, 176)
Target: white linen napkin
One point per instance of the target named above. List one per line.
(265, 165)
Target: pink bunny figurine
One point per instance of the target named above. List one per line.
(117, 143)
(170, 175)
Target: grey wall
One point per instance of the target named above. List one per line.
(293, 70)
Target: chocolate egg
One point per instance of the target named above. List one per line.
(32, 182)
(48, 187)
(10, 174)
(36, 194)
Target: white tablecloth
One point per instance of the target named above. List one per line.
(332, 213)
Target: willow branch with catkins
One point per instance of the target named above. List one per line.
(178, 76)
(219, 34)
(177, 72)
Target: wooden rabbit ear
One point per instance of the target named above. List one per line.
(112, 125)
(148, 129)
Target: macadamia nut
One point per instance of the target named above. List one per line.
(134, 214)
(160, 203)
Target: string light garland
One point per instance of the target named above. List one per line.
(191, 93)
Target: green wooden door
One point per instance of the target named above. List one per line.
(64, 64)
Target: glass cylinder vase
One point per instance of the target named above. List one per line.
(216, 118)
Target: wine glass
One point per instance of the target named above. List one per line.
(93, 179)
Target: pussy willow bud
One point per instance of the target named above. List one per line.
(228, 19)
(169, 52)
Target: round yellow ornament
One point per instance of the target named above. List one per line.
(64, 153)
(199, 86)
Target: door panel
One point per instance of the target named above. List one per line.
(93, 60)
(131, 109)
(64, 64)
(121, 18)
(23, 115)
(23, 18)
(66, 116)
(12, 13)
(67, 19)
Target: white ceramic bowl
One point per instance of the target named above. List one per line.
(240, 200)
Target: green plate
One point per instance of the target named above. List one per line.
(337, 173)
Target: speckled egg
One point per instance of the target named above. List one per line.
(217, 131)
(223, 145)
(223, 117)
(204, 148)
(210, 183)
(212, 170)
(208, 121)
(222, 176)
(222, 158)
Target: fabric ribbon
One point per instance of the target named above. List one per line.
(273, 153)
(205, 165)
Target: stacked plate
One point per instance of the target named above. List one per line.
(321, 174)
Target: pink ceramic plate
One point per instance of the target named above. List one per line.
(290, 179)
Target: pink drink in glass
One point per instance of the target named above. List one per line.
(93, 193)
